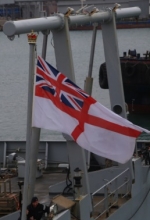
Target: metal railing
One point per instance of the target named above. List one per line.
(109, 194)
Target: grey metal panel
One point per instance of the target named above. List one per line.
(98, 178)
(63, 216)
(137, 186)
(12, 216)
(57, 152)
(20, 147)
(1, 151)
(13, 146)
(136, 208)
(41, 151)
(145, 170)
(83, 207)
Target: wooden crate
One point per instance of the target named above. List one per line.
(9, 202)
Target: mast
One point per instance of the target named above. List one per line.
(58, 24)
(32, 44)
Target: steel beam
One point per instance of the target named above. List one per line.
(12, 28)
(26, 196)
(111, 52)
(64, 62)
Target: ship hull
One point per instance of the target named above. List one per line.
(136, 82)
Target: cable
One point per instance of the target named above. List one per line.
(68, 185)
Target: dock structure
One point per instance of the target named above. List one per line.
(24, 9)
(101, 5)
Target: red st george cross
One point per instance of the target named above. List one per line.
(69, 98)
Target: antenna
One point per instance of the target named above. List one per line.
(82, 3)
(80, 9)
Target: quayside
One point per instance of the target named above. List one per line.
(114, 190)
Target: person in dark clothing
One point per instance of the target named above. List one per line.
(146, 156)
(36, 210)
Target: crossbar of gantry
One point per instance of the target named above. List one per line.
(12, 28)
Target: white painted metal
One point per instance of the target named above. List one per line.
(46, 155)
(26, 198)
(38, 24)
(111, 51)
(4, 155)
(12, 28)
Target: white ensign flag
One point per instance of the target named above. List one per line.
(62, 106)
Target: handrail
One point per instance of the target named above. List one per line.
(110, 181)
(105, 203)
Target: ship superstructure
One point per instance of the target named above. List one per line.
(104, 187)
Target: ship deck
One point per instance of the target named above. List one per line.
(49, 178)
(42, 185)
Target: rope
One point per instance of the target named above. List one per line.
(17, 203)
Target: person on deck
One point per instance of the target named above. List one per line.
(36, 210)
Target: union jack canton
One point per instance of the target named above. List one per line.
(52, 84)
(65, 95)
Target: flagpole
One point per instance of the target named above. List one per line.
(35, 137)
(32, 44)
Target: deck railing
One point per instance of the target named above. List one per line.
(108, 195)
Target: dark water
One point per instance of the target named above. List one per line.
(14, 65)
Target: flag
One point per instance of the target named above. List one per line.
(60, 105)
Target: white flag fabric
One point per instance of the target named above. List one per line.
(62, 106)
